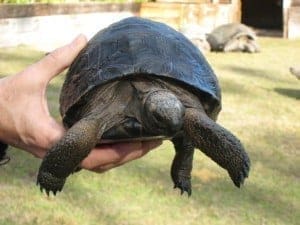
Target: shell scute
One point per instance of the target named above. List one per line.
(136, 46)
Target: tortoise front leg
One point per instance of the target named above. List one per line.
(217, 143)
(182, 164)
(64, 157)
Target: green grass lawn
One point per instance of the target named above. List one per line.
(261, 105)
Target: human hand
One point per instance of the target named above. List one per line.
(26, 123)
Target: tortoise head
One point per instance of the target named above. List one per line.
(163, 113)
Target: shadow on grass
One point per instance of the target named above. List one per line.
(292, 93)
(253, 199)
(284, 167)
(252, 72)
(233, 87)
(253, 195)
(259, 198)
(275, 147)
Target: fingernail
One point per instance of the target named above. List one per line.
(80, 40)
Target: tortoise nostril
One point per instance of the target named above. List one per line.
(164, 111)
(158, 117)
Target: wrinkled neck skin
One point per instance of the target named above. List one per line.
(99, 103)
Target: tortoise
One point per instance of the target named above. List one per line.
(233, 37)
(295, 71)
(140, 80)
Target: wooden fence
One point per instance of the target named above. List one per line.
(40, 24)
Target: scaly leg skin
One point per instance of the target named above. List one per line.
(182, 164)
(65, 156)
(218, 143)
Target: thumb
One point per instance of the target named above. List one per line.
(58, 60)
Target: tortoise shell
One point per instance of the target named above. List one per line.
(222, 34)
(139, 47)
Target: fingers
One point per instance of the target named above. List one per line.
(55, 62)
(151, 144)
(110, 156)
(49, 132)
(25, 119)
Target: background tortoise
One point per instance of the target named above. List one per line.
(233, 37)
(139, 79)
(295, 71)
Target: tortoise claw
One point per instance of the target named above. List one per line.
(48, 192)
(238, 176)
(50, 183)
(184, 185)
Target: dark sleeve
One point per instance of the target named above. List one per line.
(3, 157)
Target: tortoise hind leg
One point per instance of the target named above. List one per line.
(64, 157)
(218, 143)
(182, 164)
